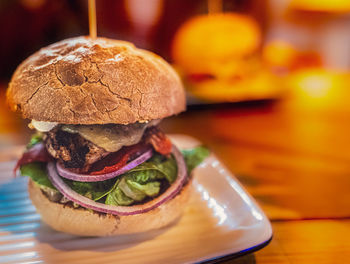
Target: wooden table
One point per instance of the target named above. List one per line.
(293, 156)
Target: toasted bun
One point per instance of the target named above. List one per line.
(95, 81)
(86, 223)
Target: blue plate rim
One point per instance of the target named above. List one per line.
(237, 254)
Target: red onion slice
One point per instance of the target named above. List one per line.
(102, 177)
(122, 210)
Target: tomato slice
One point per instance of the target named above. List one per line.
(153, 137)
(117, 160)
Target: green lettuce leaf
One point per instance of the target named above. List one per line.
(35, 139)
(194, 157)
(117, 197)
(92, 190)
(149, 189)
(37, 172)
(155, 169)
(143, 181)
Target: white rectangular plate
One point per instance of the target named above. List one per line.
(221, 221)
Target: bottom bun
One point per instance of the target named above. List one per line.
(83, 222)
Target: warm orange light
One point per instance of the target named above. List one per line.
(214, 39)
(316, 83)
(319, 88)
(8, 120)
(321, 5)
(278, 53)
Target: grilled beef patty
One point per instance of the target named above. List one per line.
(76, 152)
(72, 149)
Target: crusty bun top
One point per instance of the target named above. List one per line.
(95, 81)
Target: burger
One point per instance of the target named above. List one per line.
(98, 163)
(227, 66)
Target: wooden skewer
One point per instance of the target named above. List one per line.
(92, 19)
(215, 6)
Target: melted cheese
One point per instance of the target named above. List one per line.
(111, 137)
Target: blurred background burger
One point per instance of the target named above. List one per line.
(218, 56)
